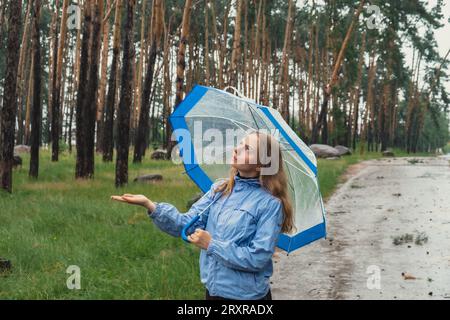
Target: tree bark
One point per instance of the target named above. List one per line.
(357, 90)
(9, 107)
(103, 77)
(21, 75)
(108, 142)
(181, 61)
(126, 99)
(140, 144)
(236, 53)
(90, 106)
(36, 112)
(56, 97)
(87, 90)
(53, 49)
(283, 81)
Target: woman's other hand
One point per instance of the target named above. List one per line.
(200, 238)
(136, 199)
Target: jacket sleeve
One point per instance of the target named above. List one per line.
(167, 218)
(258, 253)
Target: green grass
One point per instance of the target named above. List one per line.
(56, 221)
(48, 224)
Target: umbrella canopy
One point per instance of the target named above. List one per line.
(203, 124)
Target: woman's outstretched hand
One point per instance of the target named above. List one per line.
(136, 199)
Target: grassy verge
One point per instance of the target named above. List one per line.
(54, 222)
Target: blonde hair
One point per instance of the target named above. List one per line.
(276, 184)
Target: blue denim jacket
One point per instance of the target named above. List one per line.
(244, 226)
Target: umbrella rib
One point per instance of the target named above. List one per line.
(251, 112)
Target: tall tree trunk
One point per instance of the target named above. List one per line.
(88, 86)
(167, 90)
(357, 90)
(103, 78)
(206, 48)
(9, 107)
(283, 82)
(76, 72)
(143, 129)
(2, 23)
(36, 112)
(56, 96)
(369, 102)
(21, 77)
(181, 62)
(219, 45)
(140, 70)
(244, 70)
(53, 49)
(126, 98)
(30, 97)
(309, 114)
(90, 106)
(82, 88)
(108, 142)
(236, 53)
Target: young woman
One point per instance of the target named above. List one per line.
(239, 232)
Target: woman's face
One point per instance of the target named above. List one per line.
(245, 155)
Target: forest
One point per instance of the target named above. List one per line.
(103, 76)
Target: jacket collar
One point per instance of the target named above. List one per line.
(240, 181)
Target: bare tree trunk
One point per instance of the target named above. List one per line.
(283, 81)
(206, 49)
(9, 107)
(30, 97)
(143, 128)
(167, 91)
(357, 90)
(2, 22)
(220, 46)
(181, 61)
(56, 97)
(21, 77)
(126, 98)
(244, 70)
(138, 93)
(91, 98)
(36, 113)
(108, 144)
(369, 102)
(88, 82)
(309, 114)
(76, 71)
(53, 49)
(103, 78)
(236, 53)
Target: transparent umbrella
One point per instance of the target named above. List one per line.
(205, 122)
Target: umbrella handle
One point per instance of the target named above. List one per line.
(188, 226)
